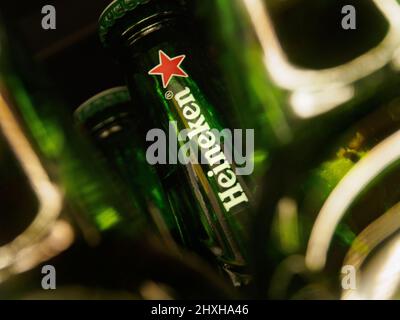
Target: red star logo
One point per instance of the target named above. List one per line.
(168, 68)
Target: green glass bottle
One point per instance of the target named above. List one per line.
(165, 68)
(336, 213)
(108, 120)
(75, 216)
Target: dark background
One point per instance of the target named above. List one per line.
(72, 54)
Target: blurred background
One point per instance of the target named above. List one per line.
(77, 193)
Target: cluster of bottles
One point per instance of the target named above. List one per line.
(103, 197)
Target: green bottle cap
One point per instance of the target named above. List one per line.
(100, 103)
(122, 14)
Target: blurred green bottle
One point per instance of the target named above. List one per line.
(167, 70)
(63, 209)
(108, 120)
(337, 209)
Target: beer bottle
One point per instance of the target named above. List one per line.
(155, 45)
(335, 217)
(108, 120)
(73, 216)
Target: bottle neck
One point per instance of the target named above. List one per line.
(140, 54)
